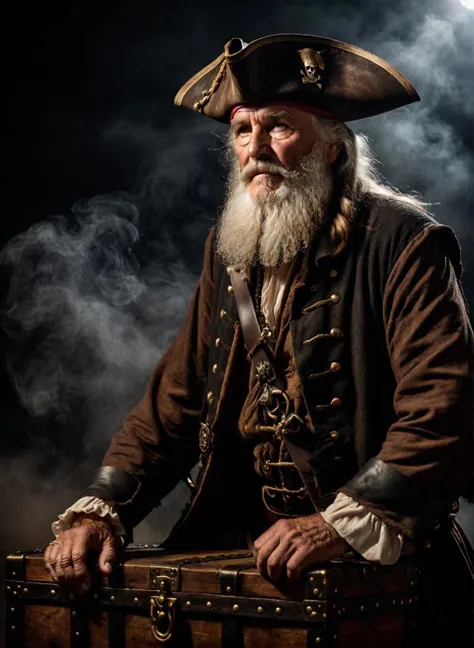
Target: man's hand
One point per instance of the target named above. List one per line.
(65, 558)
(295, 544)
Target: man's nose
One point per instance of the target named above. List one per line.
(260, 146)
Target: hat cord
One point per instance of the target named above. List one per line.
(199, 105)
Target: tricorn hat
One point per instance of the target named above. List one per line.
(327, 75)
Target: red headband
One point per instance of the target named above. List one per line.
(289, 104)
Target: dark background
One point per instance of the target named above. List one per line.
(93, 297)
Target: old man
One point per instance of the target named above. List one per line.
(353, 292)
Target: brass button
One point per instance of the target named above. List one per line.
(335, 298)
(333, 273)
(210, 397)
(260, 609)
(229, 269)
(218, 342)
(336, 402)
(236, 608)
(209, 604)
(214, 369)
(222, 314)
(335, 332)
(228, 589)
(334, 435)
(335, 366)
(230, 290)
(278, 610)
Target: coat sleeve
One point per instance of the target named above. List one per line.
(158, 443)
(425, 462)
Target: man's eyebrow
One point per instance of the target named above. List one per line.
(277, 115)
(235, 123)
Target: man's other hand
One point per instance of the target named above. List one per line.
(66, 558)
(293, 544)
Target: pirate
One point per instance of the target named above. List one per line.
(322, 379)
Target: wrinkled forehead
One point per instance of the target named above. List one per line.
(265, 111)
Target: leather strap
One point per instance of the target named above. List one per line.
(232, 636)
(247, 315)
(258, 352)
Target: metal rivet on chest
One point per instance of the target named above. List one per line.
(335, 332)
(336, 402)
(333, 273)
(214, 369)
(335, 298)
(210, 397)
(335, 366)
(230, 290)
(334, 434)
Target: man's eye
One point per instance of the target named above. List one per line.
(242, 130)
(279, 126)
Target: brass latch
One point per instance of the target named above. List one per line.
(163, 611)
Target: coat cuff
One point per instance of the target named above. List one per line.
(128, 496)
(394, 499)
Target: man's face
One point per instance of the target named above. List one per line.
(275, 134)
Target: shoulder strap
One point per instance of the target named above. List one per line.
(259, 352)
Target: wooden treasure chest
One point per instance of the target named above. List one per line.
(211, 600)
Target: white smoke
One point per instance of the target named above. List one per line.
(92, 305)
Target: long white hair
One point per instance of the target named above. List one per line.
(357, 179)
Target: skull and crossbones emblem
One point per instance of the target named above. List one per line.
(313, 63)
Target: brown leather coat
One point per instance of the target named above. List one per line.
(401, 404)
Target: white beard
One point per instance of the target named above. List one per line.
(273, 226)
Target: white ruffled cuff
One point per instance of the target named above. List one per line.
(369, 536)
(88, 504)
